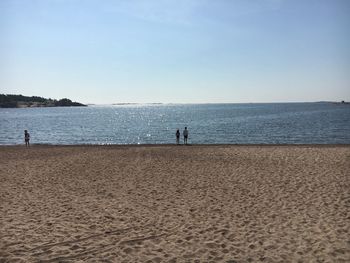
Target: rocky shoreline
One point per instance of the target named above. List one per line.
(20, 101)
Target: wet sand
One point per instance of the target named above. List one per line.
(175, 203)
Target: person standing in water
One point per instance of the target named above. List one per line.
(26, 137)
(177, 136)
(185, 135)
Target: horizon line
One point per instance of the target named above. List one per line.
(181, 103)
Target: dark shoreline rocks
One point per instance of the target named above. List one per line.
(20, 101)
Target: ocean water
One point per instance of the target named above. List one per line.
(272, 123)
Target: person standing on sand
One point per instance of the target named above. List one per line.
(177, 136)
(185, 135)
(26, 137)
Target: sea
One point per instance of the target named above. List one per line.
(251, 123)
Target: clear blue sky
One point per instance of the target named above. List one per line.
(178, 51)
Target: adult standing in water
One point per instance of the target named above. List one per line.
(177, 136)
(185, 135)
(26, 137)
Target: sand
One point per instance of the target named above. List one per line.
(175, 204)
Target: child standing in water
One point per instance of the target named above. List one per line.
(26, 137)
(177, 136)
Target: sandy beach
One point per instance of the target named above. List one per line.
(175, 203)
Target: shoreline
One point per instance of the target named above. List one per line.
(172, 145)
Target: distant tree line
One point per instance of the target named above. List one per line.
(16, 101)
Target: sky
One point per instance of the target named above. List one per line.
(176, 51)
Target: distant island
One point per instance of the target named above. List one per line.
(20, 101)
(135, 103)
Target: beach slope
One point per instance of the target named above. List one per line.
(175, 204)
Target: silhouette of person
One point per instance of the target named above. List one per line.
(26, 137)
(177, 136)
(185, 132)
